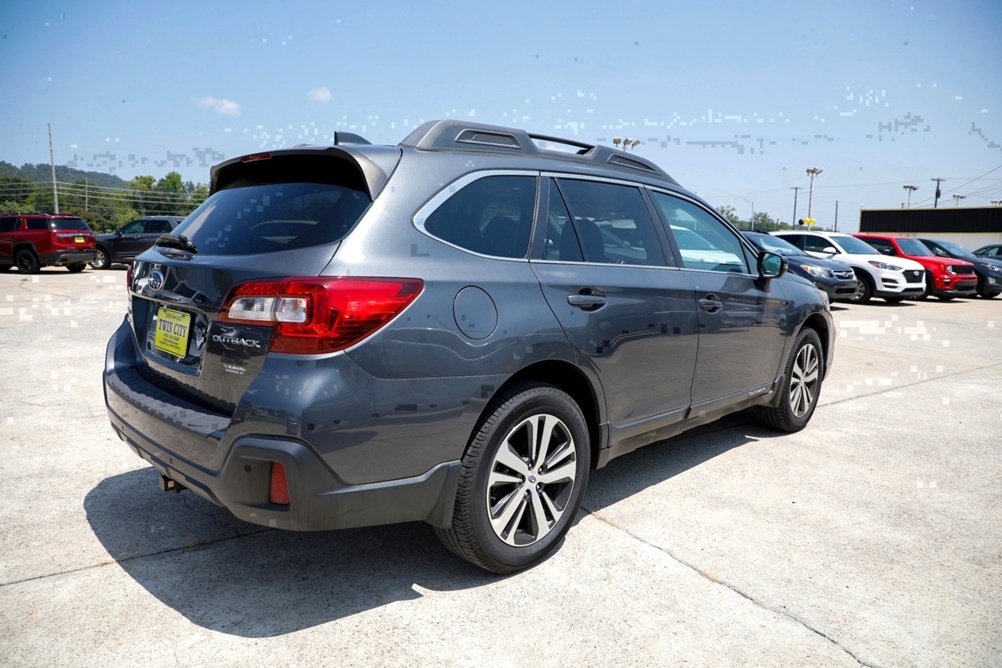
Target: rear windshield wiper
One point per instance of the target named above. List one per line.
(178, 241)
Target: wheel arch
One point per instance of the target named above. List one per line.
(570, 379)
(818, 323)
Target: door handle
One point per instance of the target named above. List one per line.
(711, 303)
(588, 300)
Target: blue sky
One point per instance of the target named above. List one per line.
(734, 99)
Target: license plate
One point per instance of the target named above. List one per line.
(79, 240)
(172, 331)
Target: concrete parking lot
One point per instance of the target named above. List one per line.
(873, 537)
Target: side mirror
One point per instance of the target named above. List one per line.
(830, 250)
(771, 265)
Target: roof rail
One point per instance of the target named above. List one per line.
(460, 135)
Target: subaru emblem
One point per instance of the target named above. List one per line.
(155, 282)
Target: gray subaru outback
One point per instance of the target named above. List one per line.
(454, 330)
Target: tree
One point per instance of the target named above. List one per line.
(728, 212)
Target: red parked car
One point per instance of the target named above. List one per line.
(33, 240)
(945, 278)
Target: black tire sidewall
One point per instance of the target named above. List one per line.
(33, 264)
(531, 400)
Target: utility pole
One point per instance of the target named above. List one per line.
(935, 202)
(813, 171)
(793, 222)
(910, 190)
(52, 162)
(836, 215)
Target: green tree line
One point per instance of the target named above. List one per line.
(105, 208)
(760, 221)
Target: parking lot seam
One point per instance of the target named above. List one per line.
(183, 548)
(703, 574)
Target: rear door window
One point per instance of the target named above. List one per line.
(8, 224)
(599, 222)
(37, 224)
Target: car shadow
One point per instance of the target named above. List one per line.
(241, 579)
(629, 475)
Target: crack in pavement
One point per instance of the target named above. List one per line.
(734, 588)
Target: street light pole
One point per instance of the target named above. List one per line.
(910, 190)
(813, 171)
(957, 198)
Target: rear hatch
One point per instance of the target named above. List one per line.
(204, 299)
(71, 232)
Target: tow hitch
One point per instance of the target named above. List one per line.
(170, 485)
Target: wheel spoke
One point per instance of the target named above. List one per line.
(507, 514)
(538, 515)
(541, 444)
(561, 473)
(507, 457)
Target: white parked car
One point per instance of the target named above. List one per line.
(893, 279)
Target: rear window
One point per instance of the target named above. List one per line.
(68, 224)
(273, 217)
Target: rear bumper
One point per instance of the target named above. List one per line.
(229, 463)
(318, 500)
(63, 258)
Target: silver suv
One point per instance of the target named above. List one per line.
(455, 330)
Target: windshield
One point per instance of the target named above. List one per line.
(775, 244)
(957, 251)
(854, 246)
(914, 247)
(273, 217)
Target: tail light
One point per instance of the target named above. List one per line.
(319, 315)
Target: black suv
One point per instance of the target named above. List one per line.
(455, 330)
(30, 241)
(131, 239)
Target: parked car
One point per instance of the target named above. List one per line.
(455, 330)
(988, 271)
(836, 279)
(131, 239)
(944, 278)
(993, 251)
(35, 240)
(892, 280)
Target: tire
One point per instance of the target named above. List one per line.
(514, 504)
(102, 260)
(5, 268)
(27, 263)
(864, 289)
(928, 289)
(984, 292)
(801, 386)
(76, 268)
(944, 298)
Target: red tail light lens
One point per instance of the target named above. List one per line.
(319, 315)
(279, 485)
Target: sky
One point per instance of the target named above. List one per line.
(735, 99)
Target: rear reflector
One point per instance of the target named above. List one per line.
(319, 315)
(279, 485)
